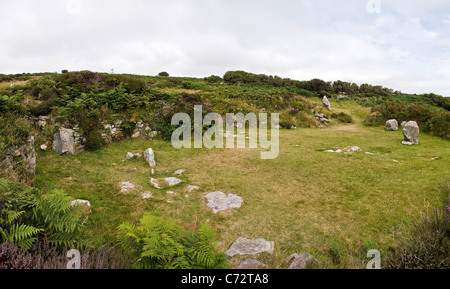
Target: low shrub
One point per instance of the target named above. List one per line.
(46, 256)
(342, 117)
(427, 246)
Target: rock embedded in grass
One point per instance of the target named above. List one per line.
(297, 261)
(352, 149)
(219, 201)
(147, 195)
(250, 264)
(129, 156)
(80, 202)
(172, 181)
(149, 157)
(243, 246)
(155, 183)
(126, 186)
(178, 172)
(190, 188)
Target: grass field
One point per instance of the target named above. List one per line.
(306, 200)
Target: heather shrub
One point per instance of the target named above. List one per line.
(427, 246)
(46, 256)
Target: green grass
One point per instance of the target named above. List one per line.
(304, 200)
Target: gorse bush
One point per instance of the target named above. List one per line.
(160, 244)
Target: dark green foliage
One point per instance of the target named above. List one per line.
(163, 74)
(160, 244)
(213, 79)
(431, 120)
(127, 128)
(64, 71)
(91, 126)
(12, 103)
(28, 214)
(439, 124)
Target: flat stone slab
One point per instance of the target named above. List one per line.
(154, 183)
(172, 181)
(126, 186)
(178, 172)
(297, 261)
(147, 195)
(191, 188)
(219, 201)
(243, 246)
(250, 264)
(80, 202)
(352, 149)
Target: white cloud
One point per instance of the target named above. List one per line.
(404, 47)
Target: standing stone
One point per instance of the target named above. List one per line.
(28, 154)
(149, 157)
(326, 103)
(64, 141)
(392, 125)
(411, 133)
(243, 246)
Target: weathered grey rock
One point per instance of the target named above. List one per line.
(155, 183)
(129, 156)
(178, 172)
(172, 181)
(411, 133)
(80, 202)
(44, 147)
(219, 201)
(147, 195)
(326, 103)
(250, 264)
(352, 149)
(42, 121)
(403, 123)
(190, 188)
(296, 261)
(149, 157)
(64, 141)
(126, 186)
(243, 246)
(138, 155)
(392, 125)
(28, 155)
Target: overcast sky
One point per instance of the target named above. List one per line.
(400, 44)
